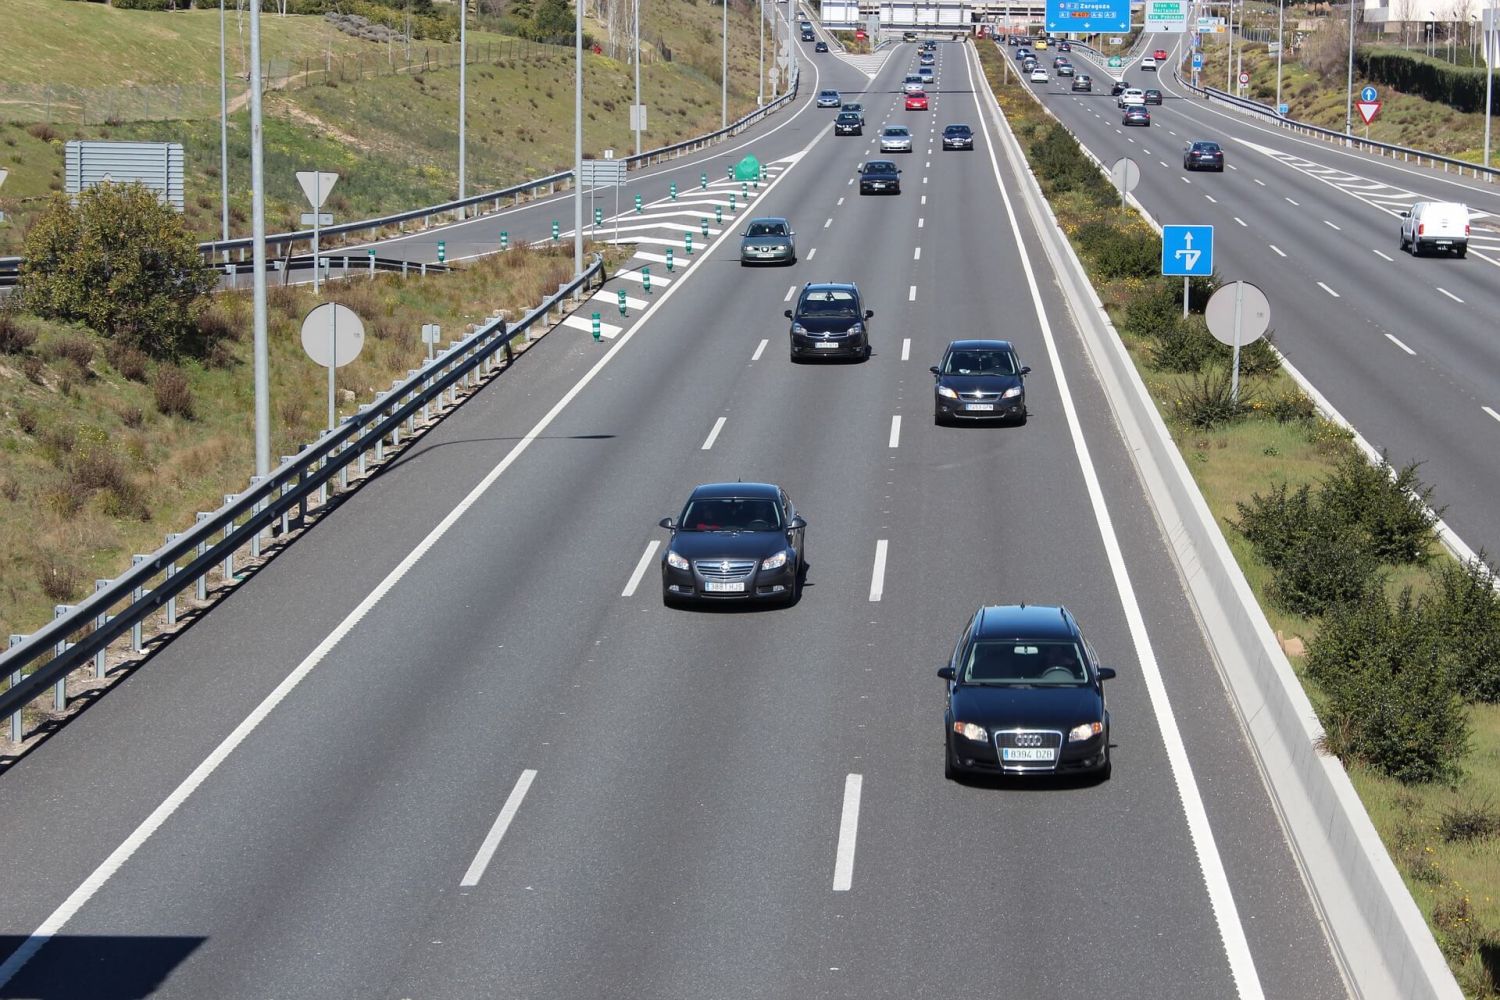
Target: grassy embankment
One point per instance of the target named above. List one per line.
(1455, 881)
(392, 138)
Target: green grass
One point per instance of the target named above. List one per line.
(1455, 883)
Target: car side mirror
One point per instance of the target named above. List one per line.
(1406, 215)
(798, 522)
(1106, 673)
(667, 523)
(934, 370)
(869, 314)
(788, 314)
(1025, 369)
(946, 673)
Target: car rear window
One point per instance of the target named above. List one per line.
(730, 514)
(1025, 662)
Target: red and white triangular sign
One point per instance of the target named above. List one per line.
(1368, 110)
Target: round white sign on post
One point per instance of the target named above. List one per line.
(1126, 174)
(1244, 79)
(1254, 310)
(332, 335)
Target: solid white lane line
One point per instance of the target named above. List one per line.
(1293, 202)
(759, 349)
(895, 432)
(1330, 291)
(916, 253)
(640, 569)
(828, 223)
(713, 435)
(1239, 220)
(843, 861)
(1259, 181)
(1277, 249)
(911, 295)
(1205, 846)
(1491, 412)
(811, 252)
(1212, 198)
(502, 823)
(905, 348)
(1331, 225)
(877, 576)
(1392, 339)
(789, 293)
(1381, 255)
(1450, 295)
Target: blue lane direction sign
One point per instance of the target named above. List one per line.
(1368, 94)
(1187, 251)
(1088, 15)
(1197, 60)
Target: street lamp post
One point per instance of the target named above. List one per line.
(724, 71)
(223, 133)
(463, 63)
(1229, 58)
(262, 353)
(1489, 74)
(1431, 33)
(760, 36)
(578, 140)
(637, 115)
(1349, 103)
(1280, 44)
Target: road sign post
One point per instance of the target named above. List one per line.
(3, 174)
(1238, 313)
(431, 334)
(1126, 175)
(1187, 251)
(316, 185)
(332, 335)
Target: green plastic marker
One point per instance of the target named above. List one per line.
(442, 251)
(703, 222)
(646, 279)
(504, 240)
(669, 260)
(596, 326)
(719, 214)
(687, 243)
(674, 190)
(556, 229)
(637, 204)
(622, 302)
(703, 179)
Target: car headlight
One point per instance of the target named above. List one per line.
(946, 392)
(1087, 731)
(857, 329)
(775, 562)
(798, 328)
(676, 561)
(970, 731)
(1011, 393)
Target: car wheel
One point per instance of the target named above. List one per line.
(1403, 242)
(867, 352)
(1220, 170)
(1021, 420)
(950, 772)
(938, 420)
(1416, 247)
(1461, 252)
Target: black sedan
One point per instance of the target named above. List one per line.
(958, 137)
(1025, 697)
(830, 321)
(1203, 155)
(849, 123)
(1119, 87)
(1153, 96)
(820, 47)
(979, 380)
(879, 176)
(735, 541)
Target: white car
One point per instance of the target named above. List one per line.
(895, 139)
(1436, 225)
(1131, 95)
(1039, 75)
(912, 83)
(1149, 62)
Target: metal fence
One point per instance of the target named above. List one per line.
(82, 634)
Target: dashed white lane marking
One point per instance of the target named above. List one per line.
(843, 861)
(1212, 198)
(640, 279)
(502, 823)
(1187, 180)
(877, 575)
(713, 435)
(1277, 249)
(640, 569)
(1330, 291)
(916, 253)
(789, 293)
(1392, 339)
(921, 223)
(1239, 220)
(911, 294)
(811, 252)
(1162, 162)
(905, 348)
(1233, 167)
(1450, 295)
(924, 180)
(759, 350)
(895, 431)
(827, 223)
(924, 199)
(1491, 412)
(1331, 225)
(1290, 200)
(1259, 181)
(1381, 255)
(841, 200)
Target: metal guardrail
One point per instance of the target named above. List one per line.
(10, 271)
(276, 503)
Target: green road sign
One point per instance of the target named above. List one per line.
(637, 204)
(622, 302)
(747, 169)
(669, 259)
(442, 251)
(596, 326)
(646, 279)
(504, 240)
(1115, 62)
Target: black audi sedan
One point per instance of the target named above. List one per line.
(958, 137)
(879, 175)
(979, 380)
(1203, 155)
(1025, 696)
(849, 123)
(830, 321)
(734, 541)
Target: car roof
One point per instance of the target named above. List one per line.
(711, 491)
(980, 345)
(1028, 621)
(896, 129)
(829, 286)
(958, 125)
(768, 218)
(879, 165)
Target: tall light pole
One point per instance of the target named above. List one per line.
(637, 115)
(1280, 44)
(724, 71)
(1229, 57)
(463, 65)
(1431, 32)
(223, 133)
(760, 36)
(578, 140)
(1349, 102)
(1489, 26)
(262, 351)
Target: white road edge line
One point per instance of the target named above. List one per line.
(1392, 338)
(895, 441)
(877, 575)
(1450, 295)
(713, 435)
(1215, 879)
(759, 350)
(76, 900)
(1491, 412)
(905, 348)
(502, 823)
(843, 861)
(1330, 291)
(1278, 249)
(640, 569)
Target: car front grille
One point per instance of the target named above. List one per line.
(979, 397)
(725, 569)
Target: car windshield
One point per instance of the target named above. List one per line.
(1048, 663)
(880, 167)
(897, 132)
(831, 93)
(829, 303)
(956, 130)
(730, 514)
(767, 229)
(979, 362)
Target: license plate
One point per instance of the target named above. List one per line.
(825, 344)
(979, 406)
(724, 586)
(1028, 754)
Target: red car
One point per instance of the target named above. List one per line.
(1160, 55)
(916, 101)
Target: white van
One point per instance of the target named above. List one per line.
(1435, 225)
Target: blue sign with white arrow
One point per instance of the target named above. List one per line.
(1197, 60)
(1088, 15)
(1368, 94)
(1187, 251)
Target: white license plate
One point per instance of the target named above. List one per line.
(825, 344)
(724, 586)
(979, 406)
(1028, 753)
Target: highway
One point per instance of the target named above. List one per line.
(451, 743)
(1403, 347)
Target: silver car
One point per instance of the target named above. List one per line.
(926, 74)
(912, 83)
(895, 139)
(768, 241)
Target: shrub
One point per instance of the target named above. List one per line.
(60, 579)
(15, 337)
(35, 369)
(174, 397)
(132, 416)
(1465, 613)
(1154, 311)
(1257, 359)
(1468, 822)
(119, 261)
(213, 328)
(27, 419)
(1274, 524)
(1208, 401)
(130, 362)
(1185, 349)
(1292, 407)
(1390, 704)
(1391, 509)
(1331, 565)
(1118, 251)
(1061, 166)
(74, 347)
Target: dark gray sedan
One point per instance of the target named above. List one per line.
(979, 380)
(768, 241)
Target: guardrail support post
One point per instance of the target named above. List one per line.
(100, 620)
(60, 690)
(229, 498)
(171, 572)
(202, 581)
(15, 720)
(136, 630)
(255, 538)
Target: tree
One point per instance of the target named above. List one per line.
(554, 19)
(119, 261)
